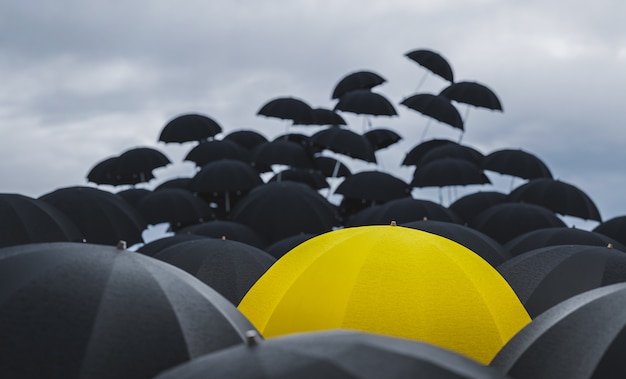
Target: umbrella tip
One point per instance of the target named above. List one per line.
(252, 338)
(425, 218)
(609, 245)
(394, 223)
(223, 238)
(121, 245)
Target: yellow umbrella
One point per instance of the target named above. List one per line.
(389, 280)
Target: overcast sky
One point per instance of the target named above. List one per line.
(83, 81)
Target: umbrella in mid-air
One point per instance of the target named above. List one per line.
(288, 108)
(365, 102)
(345, 142)
(433, 62)
(189, 127)
(363, 79)
(381, 138)
(211, 151)
(472, 93)
(246, 138)
(374, 187)
(436, 107)
(176, 206)
(614, 228)
(227, 229)
(517, 163)
(473, 203)
(402, 210)
(413, 156)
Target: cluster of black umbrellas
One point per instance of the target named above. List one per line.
(78, 303)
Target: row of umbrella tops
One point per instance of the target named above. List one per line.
(389, 301)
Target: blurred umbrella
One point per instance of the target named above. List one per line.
(451, 150)
(363, 101)
(480, 243)
(505, 221)
(614, 228)
(105, 172)
(433, 62)
(176, 206)
(334, 354)
(288, 108)
(546, 276)
(563, 235)
(133, 195)
(402, 210)
(325, 116)
(448, 172)
(282, 152)
(357, 80)
(388, 280)
(381, 138)
(373, 186)
(230, 230)
(472, 204)
(561, 197)
(24, 219)
(82, 310)
(435, 106)
(414, 155)
(210, 151)
(138, 163)
(182, 183)
(227, 266)
(102, 217)
(153, 247)
(246, 138)
(331, 167)
(345, 142)
(579, 338)
(517, 163)
(283, 246)
(472, 93)
(311, 178)
(189, 127)
(282, 209)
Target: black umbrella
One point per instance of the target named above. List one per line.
(282, 209)
(105, 172)
(451, 150)
(209, 151)
(345, 142)
(546, 276)
(448, 172)
(74, 310)
(402, 210)
(102, 217)
(282, 152)
(182, 183)
(176, 206)
(24, 219)
(472, 204)
(516, 162)
(331, 167)
(363, 101)
(416, 153)
(138, 163)
(153, 247)
(283, 246)
(614, 228)
(544, 237)
(432, 61)
(472, 93)
(363, 79)
(133, 195)
(505, 221)
(288, 108)
(580, 338)
(480, 243)
(230, 230)
(227, 266)
(313, 178)
(246, 138)
(375, 187)
(561, 197)
(437, 107)
(333, 354)
(325, 116)
(189, 127)
(381, 138)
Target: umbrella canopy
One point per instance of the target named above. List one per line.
(472, 204)
(451, 150)
(246, 138)
(334, 354)
(416, 153)
(472, 93)
(505, 221)
(137, 164)
(363, 101)
(102, 217)
(373, 186)
(182, 183)
(225, 175)
(433, 62)
(448, 172)
(281, 209)
(282, 152)
(402, 210)
(153, 247)
(345, 142)
(561, 197)
(226, 229)
(82, 310)
(388, 280)
(313, 178)
(559, 236)
(480, 243)
(24, 219)
(288, 108)
(325, 116)
(381, 138)
(133, 195)
(227, 266)
(437, 107)
(363, 79)
(210, 151)
(331, 167)
(105, 172)
(281, 247)
(546, 276)
(176, 206)
(614, 228)
(517, 163)
(579, 338)
(189, 127)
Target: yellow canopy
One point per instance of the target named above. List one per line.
(389, 280)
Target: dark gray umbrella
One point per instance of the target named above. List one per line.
(402, 210)
(363, 79)
(282, 152)
(331, 167)
(614, 228)
(436, 107)
(227, 266)
(472, 93)
(432, 61)
(452, 150)
(288, 108)
(381, 138)
(516, 162)
(339, 354)
(176, 206)
(345, 142)
(583, 337)
(78, 310)
(283, 246)
(313, 178)
(472, 204)
(246, 138)
(376, 187)
(227, 229)
(448, 172)
(210, 151)
(366, 102)
(546, 276)
(413, 156)
(153, 247)
(189, 127)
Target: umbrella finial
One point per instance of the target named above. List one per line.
(393, 223)
(425, 218)
(121, 245)
(609, 245)
(223, 238)
(252, 338)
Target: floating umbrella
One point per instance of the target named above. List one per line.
(451, 150)
(230, 230)
(546, 276)
(102, 217)
(325, 116)
(311, 178)
(416, 153)
(402, 210)
(83, 310)
(211, 151)
(282, 152)
(517, 163)
(374, 187)
(448, 172)
(561, 197)
(176, 206)
(437, 107)
(614, 228)
(189, 127)
(246, 138)
(137, 164)
(433, 62)
(345, 142)
(381, 138)
(363, 101)
(334, 354)
(357, 80)
(153, 247)
(24, 219)
(388, 280)
(472, 93)
(288, 108)
(106, 172)
(182, 183)
(133, 195)
(229, 267)
(281, 247)
(331, 167)
(472, 204)
(579, 338)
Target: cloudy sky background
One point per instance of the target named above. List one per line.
(84, 81)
